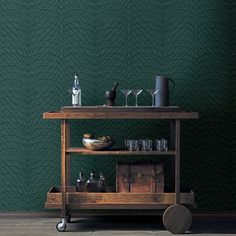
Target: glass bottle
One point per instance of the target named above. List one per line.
(80, 183)
(92, 183)
(102, 183)
(76, 92)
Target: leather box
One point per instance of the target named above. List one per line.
(140, 178)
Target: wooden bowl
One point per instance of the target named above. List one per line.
(96, 144)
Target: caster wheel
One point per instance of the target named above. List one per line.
(68, 217)
(61, 226)
(177, 219)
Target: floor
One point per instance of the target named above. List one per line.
(114, 226)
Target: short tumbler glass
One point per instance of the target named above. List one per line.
(132, 145)
(161, 144)
(146, 145)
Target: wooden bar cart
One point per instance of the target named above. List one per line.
(176, 218)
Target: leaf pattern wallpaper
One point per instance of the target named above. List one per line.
(44, 43)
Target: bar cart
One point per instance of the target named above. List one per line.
(177, 217)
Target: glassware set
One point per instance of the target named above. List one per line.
(126, 92)
(136, 92)
(146, 144)
(92, 184)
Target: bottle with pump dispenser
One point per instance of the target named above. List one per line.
(76, 92)
(91, 184)
(102, 183)
(80, 183)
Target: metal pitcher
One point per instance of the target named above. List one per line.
(162, 97)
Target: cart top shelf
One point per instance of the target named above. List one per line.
(103, 112)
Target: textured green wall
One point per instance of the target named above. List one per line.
(43, 43)
(233, 105)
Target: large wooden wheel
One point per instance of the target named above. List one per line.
(177, 219)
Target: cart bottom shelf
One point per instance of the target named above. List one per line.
(115, 201)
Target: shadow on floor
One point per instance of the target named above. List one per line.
(130, 223)
(151, 223)
(214, 226)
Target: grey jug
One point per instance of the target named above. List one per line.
(162, 84)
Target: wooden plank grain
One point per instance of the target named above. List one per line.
(113, 200)
(111, 152)
(126, 198)
(121, 115)
(177, 219)
(119, 206)
(65, 133)
(177, 161)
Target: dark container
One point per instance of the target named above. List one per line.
(162, 97)
(110, 96)
(92, 183)
(102, 184)
(80, 183)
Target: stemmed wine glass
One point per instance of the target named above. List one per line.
(126, 92)
(153, 92)
(136, 92)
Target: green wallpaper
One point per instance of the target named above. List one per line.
(43, 43)
(233, 106)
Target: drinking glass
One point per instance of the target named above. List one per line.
(126, 92)
(161, 144)
(132, 145)
(158, 144)
(164, 144)
(147, 145)
(136, 92)
(153, 92)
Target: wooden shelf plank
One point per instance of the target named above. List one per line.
(101, 206)
(121, 113)
(115, 200)
(85, 151)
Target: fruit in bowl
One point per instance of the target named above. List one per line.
(101, 143)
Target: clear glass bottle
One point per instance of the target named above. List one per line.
(80, 183)
(76, 92)
(92, 183)
(102, 183)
